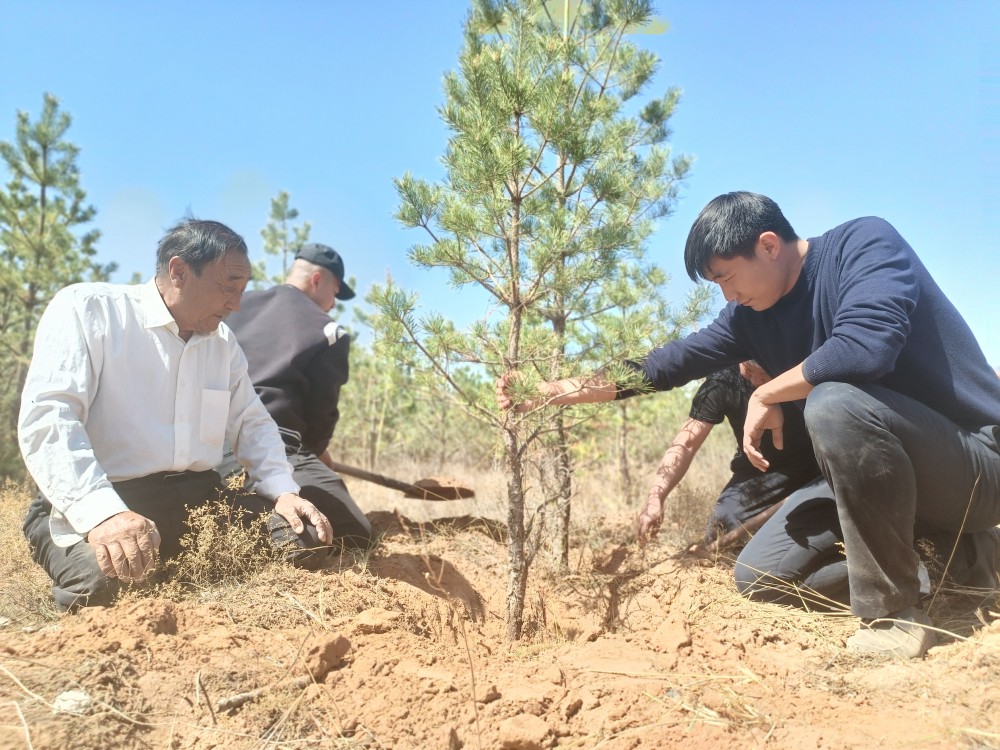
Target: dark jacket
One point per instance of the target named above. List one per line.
(298, 360)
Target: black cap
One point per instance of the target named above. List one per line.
(326, 256)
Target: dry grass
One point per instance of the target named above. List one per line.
(220, 550)
(25, 593)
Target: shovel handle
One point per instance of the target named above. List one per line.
(369, 476)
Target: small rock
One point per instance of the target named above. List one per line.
(327, 655)
(376, 620)
(488, 695)
(72, 702)
(573, 708)
(524, 732)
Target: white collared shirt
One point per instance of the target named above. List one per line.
(114, 393)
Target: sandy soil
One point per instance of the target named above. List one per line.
(406, 649)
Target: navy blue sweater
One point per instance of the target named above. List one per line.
(864, 310)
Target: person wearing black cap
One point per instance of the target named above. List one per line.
(298, 362)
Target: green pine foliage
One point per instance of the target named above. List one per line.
(555, 176)
(281, 238)
(391, 416)
(44, 246)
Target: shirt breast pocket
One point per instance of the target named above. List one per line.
(214, 416)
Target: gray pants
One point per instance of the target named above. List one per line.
(750, 492)
(895, 469)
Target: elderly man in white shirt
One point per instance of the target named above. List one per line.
(131, 393)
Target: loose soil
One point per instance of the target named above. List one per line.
(406, 649)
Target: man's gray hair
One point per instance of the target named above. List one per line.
(197, 243)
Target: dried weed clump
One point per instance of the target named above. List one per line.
(224, 547)
(25, 594)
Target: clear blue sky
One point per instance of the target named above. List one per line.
(834, 109)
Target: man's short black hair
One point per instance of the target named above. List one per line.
(730, 226)
(197, 243)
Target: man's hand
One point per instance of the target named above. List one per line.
(125, 545)
(294, 508)
(650, 518)
(505, 399)
(761, 417)
(754, 373)
(567, 392)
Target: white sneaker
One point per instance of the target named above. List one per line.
(900, 634)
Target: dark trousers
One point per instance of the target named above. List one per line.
(895, 469)
(326, 490)
(797, 556)
(321, 486)
(749, 492)
(77, 579)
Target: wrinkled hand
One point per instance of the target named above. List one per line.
(650, 518)
(761, 417)
(126, 545)
(293, 509)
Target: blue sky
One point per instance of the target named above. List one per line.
(835, 110)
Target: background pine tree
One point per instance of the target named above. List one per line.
(43, 247)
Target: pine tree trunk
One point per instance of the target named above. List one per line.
(517, 577)
(564, 474)
(624, 474)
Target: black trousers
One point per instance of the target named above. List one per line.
(895, 470)
(77, 579)
(326, 490)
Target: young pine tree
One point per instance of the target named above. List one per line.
(281, 238)
(554, 178)
(42, 249)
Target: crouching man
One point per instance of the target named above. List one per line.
(902, 409)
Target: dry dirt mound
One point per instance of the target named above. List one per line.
(405, 650)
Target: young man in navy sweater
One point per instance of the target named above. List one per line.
(901, 406)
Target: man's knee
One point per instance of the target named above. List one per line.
(826, 406)
(351, 528)
(87, 588)
(750, 581)
(839, 415)
(303, 550)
